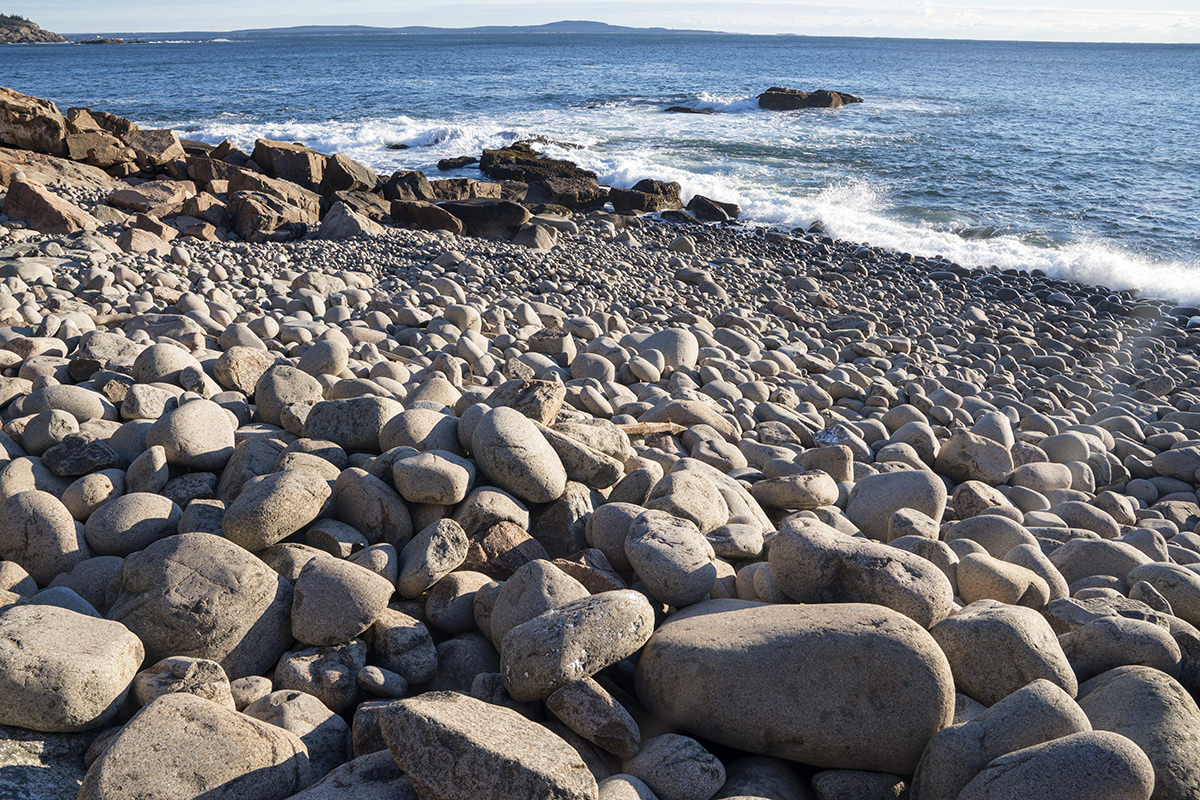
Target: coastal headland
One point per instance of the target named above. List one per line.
(321, 483)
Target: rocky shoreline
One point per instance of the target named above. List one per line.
(547, 500)
(18, 30)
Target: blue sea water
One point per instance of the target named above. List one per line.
(1079, 159)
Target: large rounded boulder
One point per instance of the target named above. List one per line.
(203, 596)
(864, 687)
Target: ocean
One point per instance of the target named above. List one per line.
(1082, 160)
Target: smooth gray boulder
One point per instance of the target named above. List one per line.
(994, 649)
(1154, 711)
(512, 454)
(1095, 765)
(272, 507)
(573, 641)
(866, 688)
(814, 563)
(39, 533)
(1037, 713)
(61, 671)
(875, 498)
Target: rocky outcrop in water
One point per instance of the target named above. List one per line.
(778, 98)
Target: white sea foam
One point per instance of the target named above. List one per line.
(852, 209)
(728, 104)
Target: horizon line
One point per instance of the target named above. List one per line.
(376, 30)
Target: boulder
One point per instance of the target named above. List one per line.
(490, 218)
(1093, 765)
(62, 671)
(709, 210)
(153, 198)
(44, 211)
(424, 215)
(181, 747)
(198, 595)
(409, 186)
(290, 162)
(814, 563)
(866, 687)
(1154, 711)
(198, 435)
(875, 498)
(259, 217)
(677, 768)
(153, 148)
(994, 649)
(323, 733)
(344, 174)
(672, 557)
(520, 162)
(573, 641)
(336, 601)
(967, 456)
(199, 676)
(779, 98)
(374, 776)
(1037, 713)
(272, 507)
(512, 453)
(39, 533)
(342, 223)
(30, 123)
(646, 196)
(455, 747)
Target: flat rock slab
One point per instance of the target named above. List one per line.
(455, 747)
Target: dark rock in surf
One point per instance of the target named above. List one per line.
(710, 210)
(493, 219)
(646, 196)
(519, 162)
(778, 98)
(447, 164)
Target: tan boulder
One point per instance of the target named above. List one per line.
(152, 148)
(44, 211)
(98, 148)
(31, 123)
(291, 162)
(153, 197)
(181, 747)
(243, 180)
(258, 217)
(52, 170)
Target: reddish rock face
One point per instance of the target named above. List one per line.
(45, 211)
(31, 123)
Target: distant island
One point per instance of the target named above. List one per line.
(563, 27)
(18, 30)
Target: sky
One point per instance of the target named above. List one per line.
(1048, 20)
